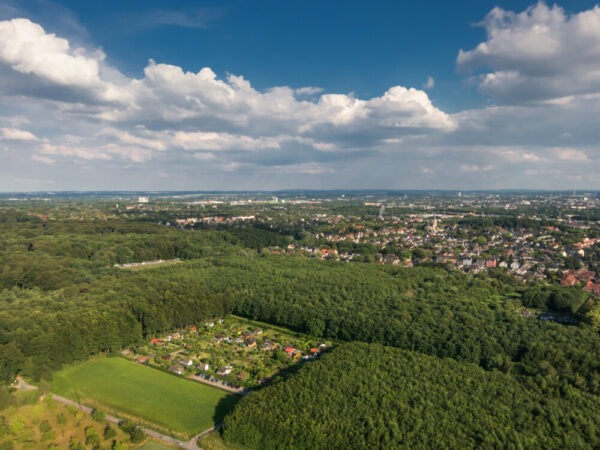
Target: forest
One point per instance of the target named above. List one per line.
(366, 396)
(62, 299)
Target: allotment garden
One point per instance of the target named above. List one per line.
(231, 352)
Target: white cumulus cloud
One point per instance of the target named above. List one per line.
(539, 54)
(27, 48)
(192, 111)
(90, 121)
(15, 134)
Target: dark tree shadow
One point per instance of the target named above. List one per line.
(225, 405)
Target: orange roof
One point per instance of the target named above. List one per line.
(569, 280)
(592, 287)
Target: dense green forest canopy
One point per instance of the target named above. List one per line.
(365, 396)
(424, 309)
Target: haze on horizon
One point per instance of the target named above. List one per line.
(163, 95)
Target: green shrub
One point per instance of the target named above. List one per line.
(98, 415)
(109, 432)
(45, 426)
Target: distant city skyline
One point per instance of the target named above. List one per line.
(269, 95)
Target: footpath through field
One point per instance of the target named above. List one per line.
(188, 445)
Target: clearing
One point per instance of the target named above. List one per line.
(174, 404)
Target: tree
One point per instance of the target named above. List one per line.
(593, 316)
(11, 361)
(315, 326)
(135, 433)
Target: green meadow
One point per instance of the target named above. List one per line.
(174, 404)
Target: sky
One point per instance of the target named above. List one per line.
(301, 94)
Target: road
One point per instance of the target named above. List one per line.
(187, 445)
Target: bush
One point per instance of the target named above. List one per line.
(109, 432)
(48, 436)
(45, 426)
(118, 445)
(135, 433)
(74, 444)
(91, 437)
(98, 415)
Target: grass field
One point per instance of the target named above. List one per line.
(173, 403)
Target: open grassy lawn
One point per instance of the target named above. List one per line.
(172, 403)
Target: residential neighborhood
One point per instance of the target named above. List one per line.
(540, 236)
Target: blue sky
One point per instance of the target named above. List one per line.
(156, 94)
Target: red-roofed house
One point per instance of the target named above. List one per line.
(569, 280)
(592, 287)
